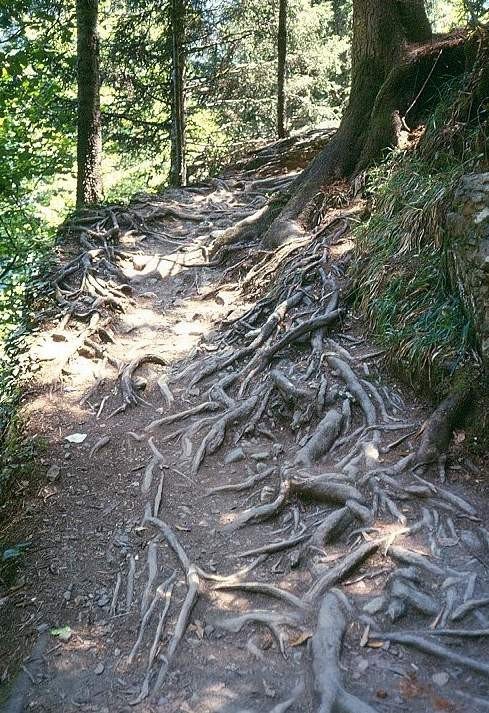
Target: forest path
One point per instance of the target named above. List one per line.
(130, 549)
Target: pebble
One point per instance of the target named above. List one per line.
(53, 473)
(233, 456)
(262, 455)
(99, 669)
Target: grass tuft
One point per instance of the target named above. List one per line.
(400, 272)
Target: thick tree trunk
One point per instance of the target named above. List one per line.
(89, 143)
(380, 30)
(178, 169)
(281, 62)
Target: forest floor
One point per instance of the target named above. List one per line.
(129, 547)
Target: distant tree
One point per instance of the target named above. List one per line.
(281, 67)
(89, 142)
(340, 16)
(178, 170)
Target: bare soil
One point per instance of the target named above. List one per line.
(85, 522)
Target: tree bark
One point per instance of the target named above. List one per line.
(380, 31)
(178, 169)
(89, 142)
(281, 65)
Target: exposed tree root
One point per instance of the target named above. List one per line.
(429, 647)
(437, 431)
(275, 546)
(260, 513)
(321, 440)
(339, 571)
(469, 606)
(129, 394)
(245, 485)
(217, 433)
(152, 572)
(130, 582)
(165, 593)
(193, 583)
(273, 620)
(160, 593)
(323, 489)
(326, 652)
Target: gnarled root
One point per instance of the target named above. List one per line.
(217, 433)
(429, 647)
(438, 429)
(323, 489)
(274, 620)
(339, 571)
(322, 439)
(260, 513)
(326, 651)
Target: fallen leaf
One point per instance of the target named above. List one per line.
(300, 638)
(64, 633)
(441, 679)
(459, 437)
(375, 644)
(76, 437)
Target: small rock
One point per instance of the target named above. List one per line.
(99, 669)
(263, 455)
(103, 600)
(441, 679)
(53, 473)
(233, 456)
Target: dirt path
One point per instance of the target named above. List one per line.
(167, 608)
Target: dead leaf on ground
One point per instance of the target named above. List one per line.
(299, 639)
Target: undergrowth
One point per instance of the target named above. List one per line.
(25, 295)
(401, 272)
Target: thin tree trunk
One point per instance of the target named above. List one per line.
(178, 169)
(281, 62)
(89, 143)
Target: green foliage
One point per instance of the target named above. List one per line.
(401, 270)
